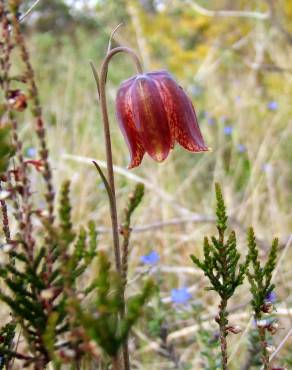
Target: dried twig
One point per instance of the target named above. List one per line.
(27, 13)
(229, 13)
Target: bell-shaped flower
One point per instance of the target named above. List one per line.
(153, 113)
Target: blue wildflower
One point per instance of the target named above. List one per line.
(228, 130)
(273, 105)
(271, 297)
(241, 148)
(211, 121)
(267, 168)
(151, 258)
(31, 152)
(181, 295)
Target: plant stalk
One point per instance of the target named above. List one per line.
(116, 365)
(263, 343)
(223, 333)
(110, 171)
(109, 157)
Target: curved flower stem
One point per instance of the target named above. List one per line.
(109, 158)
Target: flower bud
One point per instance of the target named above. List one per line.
(48, 294)
(262, 323)
(5, 194)
(17, 100)
(6, 248)
(273, 328)
(270, 349)
(267, 307)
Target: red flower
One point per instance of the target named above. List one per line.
(154, 112)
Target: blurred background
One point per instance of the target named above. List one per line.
(234, 58)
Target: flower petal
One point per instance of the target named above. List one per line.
(182, 118)
(150, 118)
(127, 125)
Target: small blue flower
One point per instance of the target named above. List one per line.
(31, 152)
(267, 168)
(181, 295)
(211, 121)
(271, 297)
(241, 148)
(151, 258)
(273, 105)
(228, 130)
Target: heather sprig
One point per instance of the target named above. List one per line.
(260, 277)
(221, 266)
(38, 289)
(261, 288)
(102, 326)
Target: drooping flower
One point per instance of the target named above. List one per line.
(180, 295)
(153, 113)
(151, 258)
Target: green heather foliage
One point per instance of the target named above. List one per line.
(7, 334)
(39, 283)
(221, 257)
(261, 287)
(221, 266)
(260, 277)
(103, 323)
